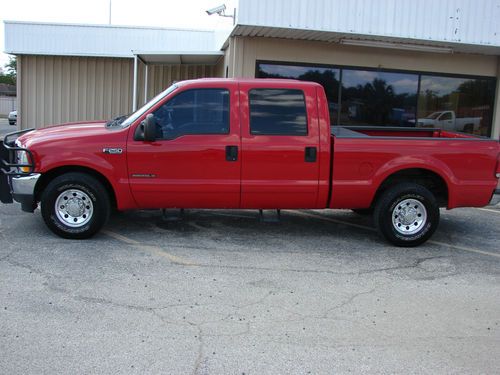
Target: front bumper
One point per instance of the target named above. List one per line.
(23, 190)
(495, 198)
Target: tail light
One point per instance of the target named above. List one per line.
(497, 170)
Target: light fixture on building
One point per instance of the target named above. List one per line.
(408, 47)
(220, 10)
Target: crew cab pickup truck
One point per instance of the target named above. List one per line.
(447, 120)
(246, 144)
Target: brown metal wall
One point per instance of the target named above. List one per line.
(57, 89)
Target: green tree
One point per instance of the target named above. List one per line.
(9, 73)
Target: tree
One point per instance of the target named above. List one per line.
(9, 73)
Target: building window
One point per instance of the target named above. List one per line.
(277, 112)
(378, 98)
(329, 78)
(457, 104)
(199, 111)
(365, 96)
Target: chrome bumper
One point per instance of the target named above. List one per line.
(23, 190)
(24, 185)
(495, 198)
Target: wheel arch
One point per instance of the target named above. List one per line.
(428, 178)
(49, 175)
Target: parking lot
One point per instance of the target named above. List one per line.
(221, 292)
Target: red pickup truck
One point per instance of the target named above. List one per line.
(246, 144)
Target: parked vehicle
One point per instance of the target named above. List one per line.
(12, 117)
(447, 120)
(246, 144)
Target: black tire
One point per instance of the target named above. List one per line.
(12, 123)
(469, 128)
(363, 211)
(387, 204)
(89, 187)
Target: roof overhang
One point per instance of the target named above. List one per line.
(363, 40)
(179, 57)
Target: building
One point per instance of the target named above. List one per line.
(382, 62)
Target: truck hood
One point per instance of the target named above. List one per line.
(71, 132)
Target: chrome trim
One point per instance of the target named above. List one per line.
(24, 185)
(495, 198)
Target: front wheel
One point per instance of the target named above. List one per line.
(75, 205)
(407, 214)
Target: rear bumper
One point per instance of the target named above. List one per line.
(495, 198)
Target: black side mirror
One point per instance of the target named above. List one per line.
(149, 128)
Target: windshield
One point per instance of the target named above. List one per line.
(434, 115)
(134, 116)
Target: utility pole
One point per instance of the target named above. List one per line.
(109, 22)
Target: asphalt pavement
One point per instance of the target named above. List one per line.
(220, 292)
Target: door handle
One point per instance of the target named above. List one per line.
(231, 153)
(310, 154)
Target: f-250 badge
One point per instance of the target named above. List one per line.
(111, 150)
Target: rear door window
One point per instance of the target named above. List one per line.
(277, 112)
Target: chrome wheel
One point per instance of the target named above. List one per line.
(409, 216)
(74, 208)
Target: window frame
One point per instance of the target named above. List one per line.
(419, 74)
(276, 134)
(228, 90)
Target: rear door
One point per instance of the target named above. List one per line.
(280, 145)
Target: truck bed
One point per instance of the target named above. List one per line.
(399, 132)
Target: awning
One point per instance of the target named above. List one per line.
(179, 57)
(169, 58)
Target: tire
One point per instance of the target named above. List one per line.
(469, 128)
(75, 205)
(12, 123)
(406, 215)
(363, 211)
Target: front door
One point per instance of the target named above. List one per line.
(195, 160)
(280, 145)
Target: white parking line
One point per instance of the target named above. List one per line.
(456, 247)
(489, 210)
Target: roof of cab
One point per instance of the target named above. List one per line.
(265, 81)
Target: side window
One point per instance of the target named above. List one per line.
(445, 116)
(277, 112)
(197, 111)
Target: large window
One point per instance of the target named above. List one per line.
(380, 97)
(277, 112)
(458, 104)
(199, 111)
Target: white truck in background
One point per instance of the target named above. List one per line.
(447, 120)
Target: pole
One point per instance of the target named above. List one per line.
(145, 83)
(134, 89)
(109, 22)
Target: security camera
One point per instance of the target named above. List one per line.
(217, 10)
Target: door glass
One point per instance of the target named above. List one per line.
(198, 111)
(277, 112)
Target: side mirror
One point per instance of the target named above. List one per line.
(149, 128)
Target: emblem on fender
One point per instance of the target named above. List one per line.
(111, 150)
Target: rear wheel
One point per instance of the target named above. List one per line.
(75, 205)
(407, 214)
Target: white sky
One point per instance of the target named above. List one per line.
(163, 13)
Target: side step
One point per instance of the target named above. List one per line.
(270, 216)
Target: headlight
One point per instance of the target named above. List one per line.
(22, 158)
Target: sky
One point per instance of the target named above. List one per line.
(162, 13)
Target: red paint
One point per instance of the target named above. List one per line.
(192, 172)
